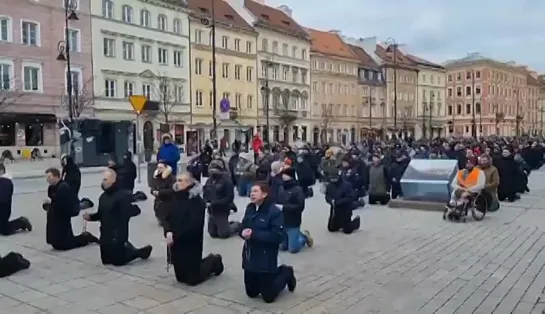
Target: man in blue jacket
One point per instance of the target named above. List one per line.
(169, 153)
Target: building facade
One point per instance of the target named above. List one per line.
(431, 86)
(142, 48)
(485, 97)
(283, 57)
(335, 97)
(33, 82)
(236, 72)
(531, 122)
(372, 115)
(541, 102)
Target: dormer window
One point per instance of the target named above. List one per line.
(286, 22)
(229, 16)
(265, 16)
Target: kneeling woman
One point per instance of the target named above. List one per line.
(263, 232)
(184, 225)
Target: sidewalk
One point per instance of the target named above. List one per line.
(25, 169)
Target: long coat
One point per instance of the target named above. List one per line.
(59, 214)
(163, 184)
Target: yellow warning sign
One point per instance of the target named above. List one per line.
(138, 102)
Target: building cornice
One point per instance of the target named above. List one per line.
(144, 39)
(318, 54)
(196, 19)
(461, 65)
(300, 36)
(115, 72)
(225, 52)
(139, 27)
(174, 5)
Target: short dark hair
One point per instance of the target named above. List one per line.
(2, 167)
(54, 171)
(263, 186)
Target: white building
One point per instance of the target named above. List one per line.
(283, 56)
(141, 48)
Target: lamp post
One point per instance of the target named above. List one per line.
(424, 110)
(392, 47)
(473, 120)
(430, 108)
(212, 24)
(266, 91)
(64, 49)
(518, 117)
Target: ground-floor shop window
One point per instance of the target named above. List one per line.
(34, 134)
(7, 134)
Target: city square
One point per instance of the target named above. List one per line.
(401, 261)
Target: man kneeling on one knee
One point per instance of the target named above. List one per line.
(467, 182)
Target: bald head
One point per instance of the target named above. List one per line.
(108, 178)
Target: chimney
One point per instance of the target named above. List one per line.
(284, 8)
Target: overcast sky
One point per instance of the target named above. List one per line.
(438, 30)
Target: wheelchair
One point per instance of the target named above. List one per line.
(476, 204)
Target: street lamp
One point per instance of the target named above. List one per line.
(266, 91)
(432, 98)
(392, 47)
(212, 24)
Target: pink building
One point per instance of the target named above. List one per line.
(32, 80)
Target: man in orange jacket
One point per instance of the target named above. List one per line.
(470, 180)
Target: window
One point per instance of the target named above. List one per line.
(449, 92)
(128, 87)
(249, 102)
(264, 70)
(128, 51)
(285, 72)
(109, 47)
(146, 90)
(146, 53)
(73, 40)
(177, 26)
(275, 47)
(178, 59)
(225, 70)
(32, 77)
(198, 66)
(163, 56)
(238, 69)
(198, 36)
(238, 100)
(468, 90)
(249, 74)
(198, 98)
(226, 96)
(458, 77)
(5, 29)
(477, 90)
(108, 9)
(478, 74)
(109, 88)
(162, 22)
(265, 45)
(6, 75)
(468, 74)
(285, 49)
(458, 109)
(76, 79)
(145, 18)
(303, 54)
(224, 42)
(477, 108)
(179, 94)
(30, 33)
(294, 52)
(210, 68)
(450, 77)
(210, 99)
(127, 14)
(468, 108)
(237, 44)
(34, 134)
(450, 111)
(459, 91)
(303, 77)
(274, 75)
(249, 47)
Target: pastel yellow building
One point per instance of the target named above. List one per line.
(235, 71)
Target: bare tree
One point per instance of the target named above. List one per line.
(9, 93)
(164, 90)
(326, 116)
(286, 115)
(82, 98)
(499, 118)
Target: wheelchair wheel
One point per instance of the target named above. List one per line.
(479, 208)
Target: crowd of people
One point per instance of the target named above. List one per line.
(277, 179)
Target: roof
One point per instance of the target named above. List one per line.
(421, 61)
(274, 18)
(329, 44)
(476, 59)
(365, 59)
(531, 80)
(223, 12)
(388, 56)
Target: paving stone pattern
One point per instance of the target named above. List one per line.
(402, 261)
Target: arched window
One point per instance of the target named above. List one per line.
(145, 18)
(162, 22)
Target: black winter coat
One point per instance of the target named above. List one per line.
(260, 251)
(59, 213)
(292, 199)
(114, 206)
(508, 171)
(129, 172)
(6, 196)
(219, 192)
(340, 195)
(185, 219)
(162, 183)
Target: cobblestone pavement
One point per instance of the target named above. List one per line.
(402, 261)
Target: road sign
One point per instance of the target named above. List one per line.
(138, 102)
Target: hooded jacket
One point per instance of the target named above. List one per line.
(71, 174)
(169, 153)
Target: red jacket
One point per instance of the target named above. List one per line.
(257, 143)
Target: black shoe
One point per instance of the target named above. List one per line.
(25, 264)
(91, 238)
(217, 267)
(145, 252)
(26, 222)
(292, 281)
(356, 221)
